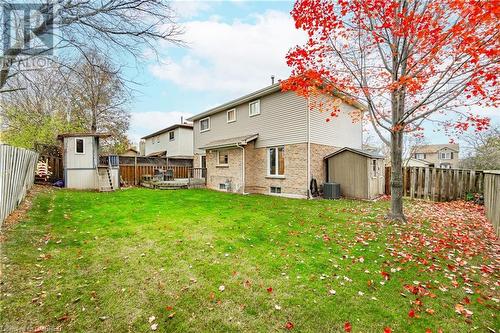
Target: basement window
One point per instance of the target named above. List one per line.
(79, 146)
(275, 190)
(222, 186)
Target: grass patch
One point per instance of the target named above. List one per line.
(108, 262)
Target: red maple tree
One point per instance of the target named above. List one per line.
(404, 60)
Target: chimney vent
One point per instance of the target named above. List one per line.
(182, 120)
(272, 79)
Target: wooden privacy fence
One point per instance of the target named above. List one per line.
(437, 184)
(17, 174)
(492, 197)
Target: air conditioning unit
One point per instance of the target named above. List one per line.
(331, 191)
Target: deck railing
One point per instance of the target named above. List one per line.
(198, 173)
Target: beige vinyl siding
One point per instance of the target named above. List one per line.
(350, 171)
(182, 145)
(282, 120)
(341, 131)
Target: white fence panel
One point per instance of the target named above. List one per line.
(17, 175)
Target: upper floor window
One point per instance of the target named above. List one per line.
(171, 135)
(79, 146)
(276, 161)
(222, 157)
(231, 115)
(254, 108)
(420, 156)
(446, 155)
(205, 124)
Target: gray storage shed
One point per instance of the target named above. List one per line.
(360, 173)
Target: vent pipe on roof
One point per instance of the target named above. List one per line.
(272, 79)
(182, 120)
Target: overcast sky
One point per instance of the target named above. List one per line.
(233, 48)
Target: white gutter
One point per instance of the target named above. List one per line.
(308, 149)
(242, 167)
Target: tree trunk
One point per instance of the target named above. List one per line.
(397, 176)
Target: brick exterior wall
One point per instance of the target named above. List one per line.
(318, 165)
(294, 183)
(230, 174)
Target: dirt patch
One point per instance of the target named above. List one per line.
(20, 213)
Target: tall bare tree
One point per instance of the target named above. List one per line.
(111, 27)
(91, 96)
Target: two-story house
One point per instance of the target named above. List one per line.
(174, 142)
(439, 155)
(269, 142)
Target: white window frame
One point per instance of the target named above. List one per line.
(268, 161)
(157, 139)
(447, 155)
(420, 156)
(257, 102)
(206, 129)
(171, 138)
(76, 146)
(218, 158)
(227, 116)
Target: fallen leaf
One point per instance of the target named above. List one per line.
(347, 326)
(289, 325)
(411, 313)
(154, 327)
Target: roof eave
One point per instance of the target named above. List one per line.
(246, 98)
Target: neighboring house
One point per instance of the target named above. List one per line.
(269, 142)
(174, 142)
(439, 156)
(131, 152)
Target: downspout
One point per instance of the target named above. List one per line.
(308, 117)
(242, 167)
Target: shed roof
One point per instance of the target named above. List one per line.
(76, 135)
(231, 142)
(167, 129)
(365, 153)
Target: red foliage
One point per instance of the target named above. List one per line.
(347, 326)
(442, 54)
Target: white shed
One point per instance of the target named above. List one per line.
(82, 168)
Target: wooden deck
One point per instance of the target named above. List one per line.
(176, 184)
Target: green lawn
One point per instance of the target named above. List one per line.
(108, 262)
